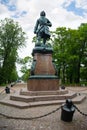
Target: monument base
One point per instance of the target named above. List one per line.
(43, 93)
(43, 83)
(26, 99)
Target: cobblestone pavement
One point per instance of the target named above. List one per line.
(50, 122)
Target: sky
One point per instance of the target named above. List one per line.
(61, 13)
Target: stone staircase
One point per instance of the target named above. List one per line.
(26, 99)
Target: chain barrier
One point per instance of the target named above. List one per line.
(41, 116)
(31, 118)
(80, 111)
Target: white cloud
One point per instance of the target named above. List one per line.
(4, 12)
(61, 17)
(23, 5)
(81, 4)
(67, 2)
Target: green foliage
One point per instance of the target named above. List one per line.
(11, 39)
(25, 69)
(70, 52)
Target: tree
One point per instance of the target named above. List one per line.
(25, 69)
(12, 38)
(70, 53)
(83, 50)
(73, 45)
(60, 51)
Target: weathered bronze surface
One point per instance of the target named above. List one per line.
(42, 28)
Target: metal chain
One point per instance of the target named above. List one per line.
(80, 111)
(37, 117)
(31, 118)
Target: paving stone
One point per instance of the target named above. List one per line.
(50, 122)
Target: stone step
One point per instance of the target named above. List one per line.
(20, 104)
(17, 104)
(38, 93)
(78, 99)
(23, 98)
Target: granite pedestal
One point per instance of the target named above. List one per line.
(43, 71)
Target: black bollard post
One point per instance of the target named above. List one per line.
(62, 87)
(67, 111)
(7, 90)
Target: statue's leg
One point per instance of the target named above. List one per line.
(44, 41)
(38, 38)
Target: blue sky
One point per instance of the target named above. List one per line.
(11, 7)
(76, 10)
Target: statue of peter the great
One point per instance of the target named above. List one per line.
(42, 28)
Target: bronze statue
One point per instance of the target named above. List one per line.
(42, 28)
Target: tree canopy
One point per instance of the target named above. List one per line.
(70, 53)
(12, 37)
(25, 69)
